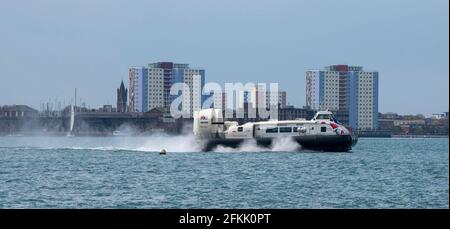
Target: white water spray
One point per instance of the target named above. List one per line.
(285, 145)
(278, 145)
(153, 143)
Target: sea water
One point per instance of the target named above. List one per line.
(129, 172)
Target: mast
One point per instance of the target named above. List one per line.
(75, 97)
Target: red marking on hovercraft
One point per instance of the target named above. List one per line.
(333, 125)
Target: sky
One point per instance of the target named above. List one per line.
(50, 47)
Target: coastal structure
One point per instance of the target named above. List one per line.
(122, 98)
(219, 100)
(292, 113)
(138, 100)
(277, 98)
(156, 89)
(260, 96)
(347, 89)
(150, 86)
(253, 97)
(194, 80)
(17, 111)
(246, 102)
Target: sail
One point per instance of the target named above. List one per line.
(72, 118)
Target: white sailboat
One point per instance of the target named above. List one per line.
(72, 121)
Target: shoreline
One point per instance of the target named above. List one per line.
(407, 136)
(419, 136)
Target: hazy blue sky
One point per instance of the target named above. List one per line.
(47, 48)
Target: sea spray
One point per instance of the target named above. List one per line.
(151, 143)
(246, 146)
(285, 145)
(278, 145)
(186, 143)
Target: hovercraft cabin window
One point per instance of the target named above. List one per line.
(285, 129)
(295, 129)
(272, 130)
(240, 129)
(323, 129)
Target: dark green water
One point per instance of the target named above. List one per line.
(59, 172)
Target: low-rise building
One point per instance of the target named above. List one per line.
(17, 111)
(438, 116)
(292, 113)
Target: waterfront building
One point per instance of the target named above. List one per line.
(138, 89)
(280, 99)
(107, 109)
(258, 96)
(17, 111)
(150, 86)
(250, 98)
(292, 113)
(194, 80)
(166, 74)
(389, 115)
(122, 98)
(155, 92)
(438, 116)
(219, 100)
(345, 89)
